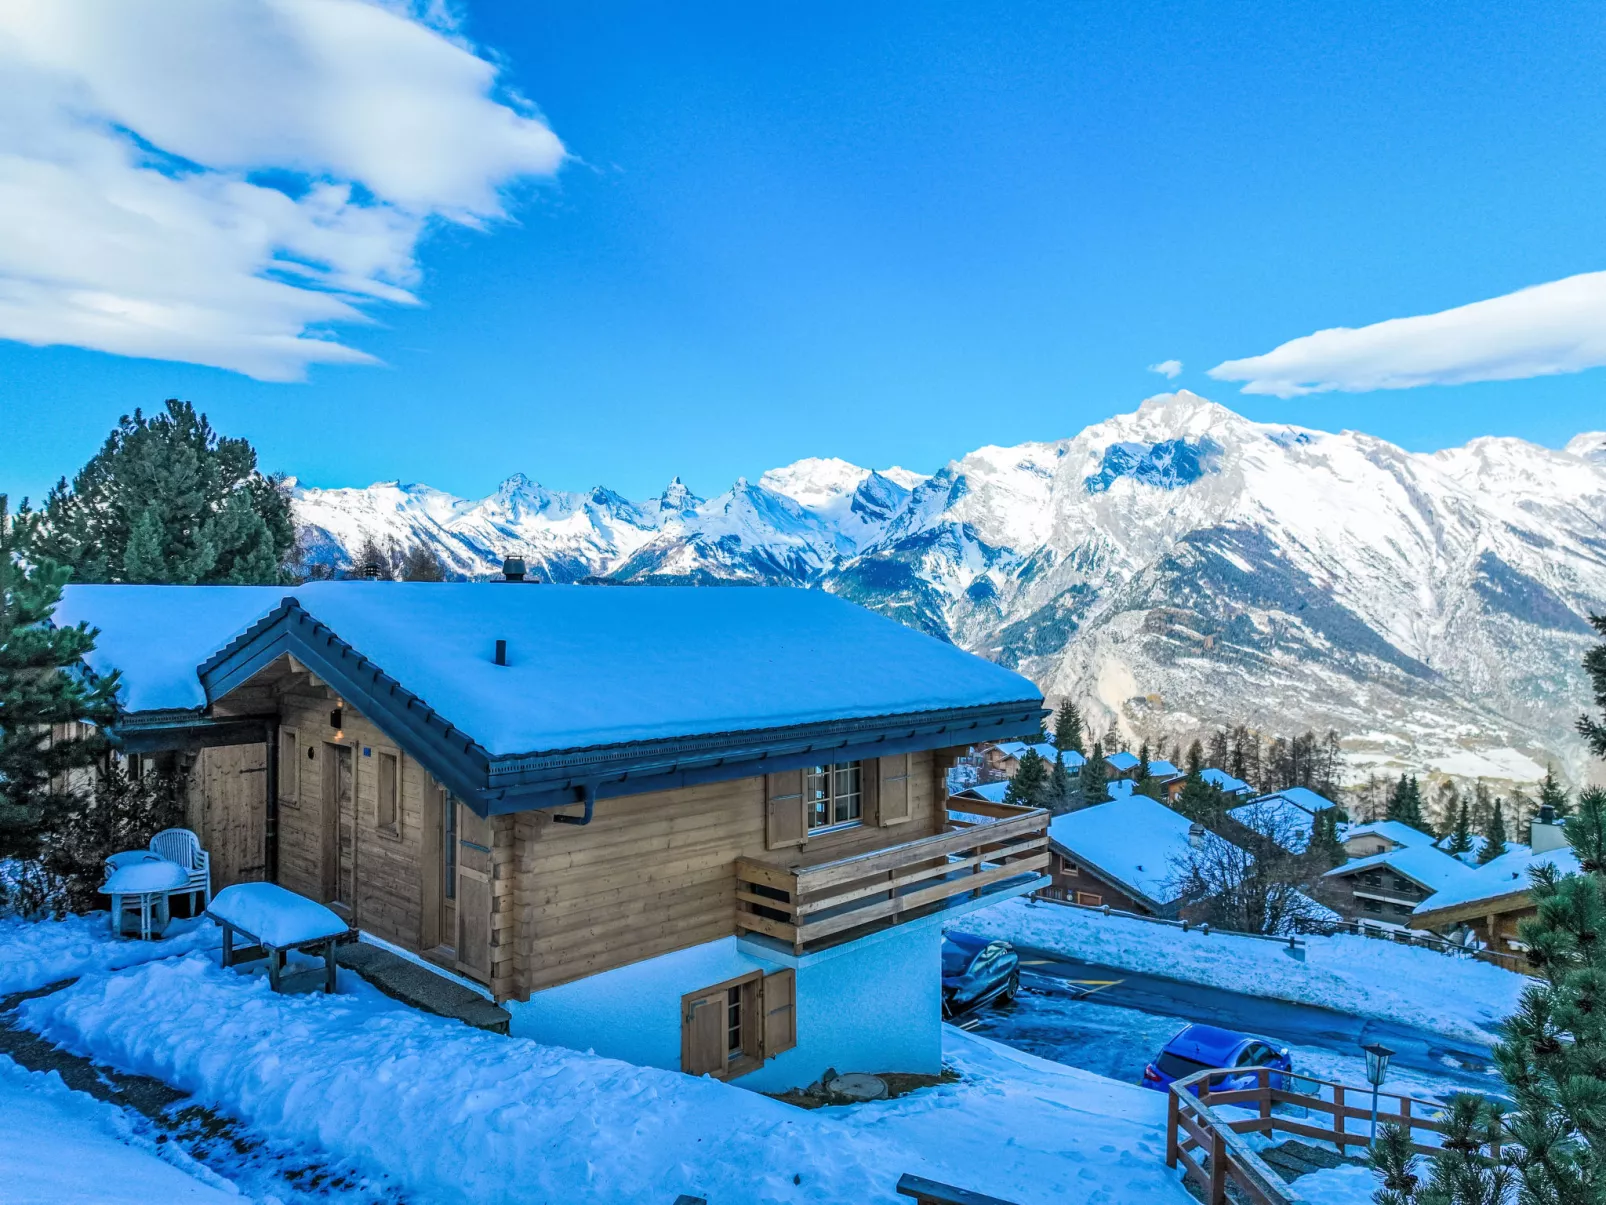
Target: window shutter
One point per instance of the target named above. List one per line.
(893, 790)
(784, 823)
(289, 766)
(702, 1033)
(778, 1002)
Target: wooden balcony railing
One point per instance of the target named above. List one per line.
(984, 849)
(1205, 1138)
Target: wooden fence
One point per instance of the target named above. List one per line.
(1204, 1136)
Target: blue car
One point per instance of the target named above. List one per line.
(976, 970)
(1200, 1047)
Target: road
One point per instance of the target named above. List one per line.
(1068, 1031)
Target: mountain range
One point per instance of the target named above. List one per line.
(1172, 569)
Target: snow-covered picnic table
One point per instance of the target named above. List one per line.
(278, 921)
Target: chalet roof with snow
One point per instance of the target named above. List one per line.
(1303, 798)
(1506, 875)
(1396, 831)
(1225, 782)
(1122, 762)
(988, 792)
(680, 676)
(1429, 868)
(1279, 818)
(1160, 768)
(1135, 843)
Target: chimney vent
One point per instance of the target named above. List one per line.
(1196, 835)
(513, 568)
(501, 652)
(1545, 833)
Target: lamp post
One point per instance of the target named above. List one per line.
(1377, 1067)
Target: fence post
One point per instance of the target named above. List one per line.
(1339, 1121)
(1264, 1076)
(1218, 1169)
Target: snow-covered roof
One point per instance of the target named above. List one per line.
(1134, 841)
(1122, 761)
(1506, 874)
(1432, 868)
(1226, 782)
(1392, 830)
(1160, 768)
(1302, 797)
(992, 792)
(1279, 818)
(1017, 749)
(587, 665)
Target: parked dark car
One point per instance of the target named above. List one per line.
(1198, 1047)
(976, 971)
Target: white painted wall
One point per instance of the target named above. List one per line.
(871, 1005)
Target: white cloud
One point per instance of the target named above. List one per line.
(218, 183)
(1540, 331)
(1169, 369)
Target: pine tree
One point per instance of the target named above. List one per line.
(1029, 787)
(1457, 1175)
(1405, 805)
(1143, 763)
(1494, 834)
(44, 698)
(1095, 776)
(1325, 848)
(1068, 728)
(1460, 839)
(167, 499)
(1591, 729)
(1062, 795)
(422, 565)
(1552, 794)
(1195, 758)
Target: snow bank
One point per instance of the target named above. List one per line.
(1363, 976)
(454, 1114)
(35, 953)
(1339, 1185)
(269, 913)
(59, 1145)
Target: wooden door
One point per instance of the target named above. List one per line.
(233, 825)
(473, 903)
(339, 827)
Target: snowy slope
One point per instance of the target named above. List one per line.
(1171, 568)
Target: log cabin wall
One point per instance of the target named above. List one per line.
(650, 874)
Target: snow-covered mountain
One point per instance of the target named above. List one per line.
(1171, 568)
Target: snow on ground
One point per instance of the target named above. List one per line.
(449, 1114)
(59, 1145)
(36, 953)
(1363, 976)
(1339, 1186)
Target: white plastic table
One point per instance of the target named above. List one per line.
(148, 880)
(278, 920)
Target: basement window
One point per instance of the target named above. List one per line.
(388, 814)
(730, 1029)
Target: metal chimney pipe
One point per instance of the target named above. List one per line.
(513, 569)
(501, 652)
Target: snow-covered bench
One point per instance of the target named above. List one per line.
(278, 921)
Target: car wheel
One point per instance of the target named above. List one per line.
(1011, 989)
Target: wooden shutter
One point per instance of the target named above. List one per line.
(702, 1033)
(289, 766)
(892, 789)
(784, 823)
(777, 1001)
(473, 894)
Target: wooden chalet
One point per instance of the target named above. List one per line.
(696, 828)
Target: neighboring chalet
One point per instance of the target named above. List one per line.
(982, 792)
(1125, 854)
(1288, 817)
(1385, 888)
(1383, 836)
(1220, 779)
(693, 828)
(1003, 757)
(1490, 901)
(1126, 765)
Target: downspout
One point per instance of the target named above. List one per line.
(270, 825)
(589, 790)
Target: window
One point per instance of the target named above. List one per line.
(730, 1029)
(289, 766)
(388, 808)
(1090, 898)
(449, 842)
(1372, 905)
(833, 795)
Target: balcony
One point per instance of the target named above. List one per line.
(984, 850)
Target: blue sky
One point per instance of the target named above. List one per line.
(889, 233)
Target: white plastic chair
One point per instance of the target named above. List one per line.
(184, 847)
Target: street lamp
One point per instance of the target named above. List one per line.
(1377, 1067)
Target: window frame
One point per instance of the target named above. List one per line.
(749, 993)
(290, 750)
(830, 773)
(1090, 899)
(393, 828)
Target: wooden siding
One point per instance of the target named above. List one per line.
(1074, 882)
(227, 810)
(654, 873)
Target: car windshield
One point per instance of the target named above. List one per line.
(955, 959)
(1177, 1067)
